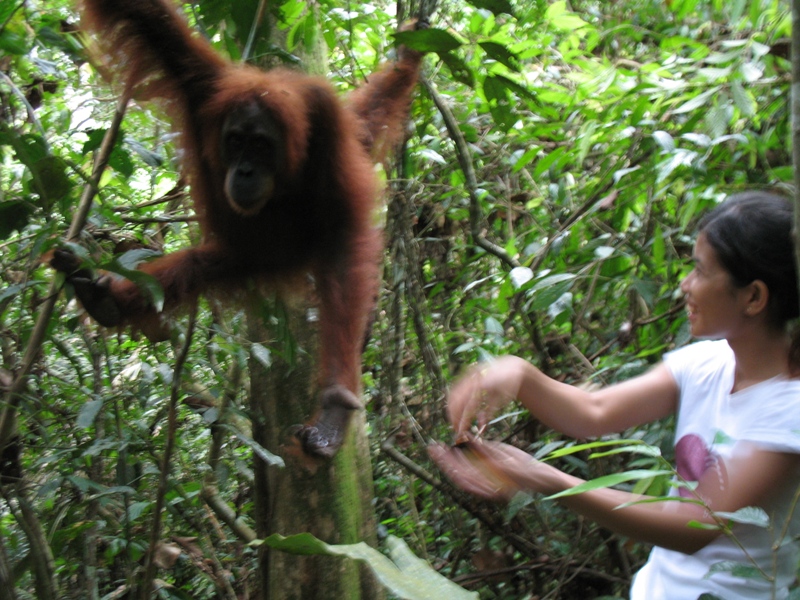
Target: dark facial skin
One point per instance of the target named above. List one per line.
(252, 153)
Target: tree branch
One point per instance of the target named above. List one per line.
(463, 154)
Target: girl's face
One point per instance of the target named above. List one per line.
(716, 307)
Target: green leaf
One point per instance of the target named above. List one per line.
(496, 7)
(458, 68)
(405, 575)
(120, 161)
(499, 99)
(95, 140)
(88, 413)
(591, 446)
(642, 449)
(699, 101)
(52, 182)
(548, 290)
(15, 36)
(501, 54)
(664, 140)
(137, 509)
(428, 40)
(14, 215)
(607, 481)
(749, 515)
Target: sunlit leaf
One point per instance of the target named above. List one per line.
(701, 100)
(520, 276)
(664, 140)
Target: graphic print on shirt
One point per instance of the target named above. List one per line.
(693, 458)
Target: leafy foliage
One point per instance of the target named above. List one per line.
(597, 134)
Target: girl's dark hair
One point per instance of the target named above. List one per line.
(751, 233)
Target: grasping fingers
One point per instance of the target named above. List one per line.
(469, 472)
(483, 391)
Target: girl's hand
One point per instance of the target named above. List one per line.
(493, 470)
(483, 391)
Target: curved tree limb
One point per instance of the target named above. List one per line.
(463, 154)
(172, 428)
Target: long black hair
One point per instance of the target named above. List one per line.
(752, 235)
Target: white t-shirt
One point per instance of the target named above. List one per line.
(710, 422)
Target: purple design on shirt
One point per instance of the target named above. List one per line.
(692, 460)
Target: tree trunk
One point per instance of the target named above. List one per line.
(331, 500)
(795, 105)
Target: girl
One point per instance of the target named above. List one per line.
(737, 401)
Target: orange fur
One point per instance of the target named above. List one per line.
(320, 218)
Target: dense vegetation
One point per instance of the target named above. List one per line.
(543, 205)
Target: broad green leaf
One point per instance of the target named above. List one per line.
(749, 515)
(405, 575)
(493, 326)
(501, 54)
(526, 158)
(137, 509)
(458, 68)
(133, 258)
(50, 174)
(499, 99)
(549, 160)
(561, 18)
(88, 413)
(548, 290)
(429, 40)
(603, 252)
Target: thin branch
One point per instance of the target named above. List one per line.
(486, 517)
(248, 48)
(463, 154)
(149, 220)
(166, 460)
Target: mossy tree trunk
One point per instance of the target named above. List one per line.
(331, 500)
